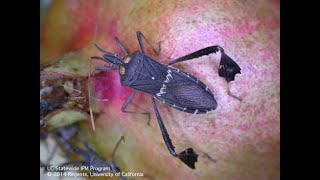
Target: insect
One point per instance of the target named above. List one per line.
(169, 85)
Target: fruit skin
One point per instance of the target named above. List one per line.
(242, 139)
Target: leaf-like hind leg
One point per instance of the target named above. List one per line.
(128, 101)
(196, 54)
(227, 67)
(188, 156)
(140, 36)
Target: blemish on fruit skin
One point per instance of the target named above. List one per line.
(107, 86)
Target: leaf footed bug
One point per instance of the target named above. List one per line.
(171, 86)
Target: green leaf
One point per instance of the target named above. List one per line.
(61, 118)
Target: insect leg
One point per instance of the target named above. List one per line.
(232, 95)
(128, 101)
(188, 156)
(199, 53)
(140, 36)
(163, 129)
(206, 155)
(121, 46)
(106, 68)
(227, 67)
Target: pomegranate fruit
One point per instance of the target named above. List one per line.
(239, 140)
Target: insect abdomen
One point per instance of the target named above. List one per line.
(186, 93)
(188, 97)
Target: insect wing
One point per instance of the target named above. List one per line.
(189, 97)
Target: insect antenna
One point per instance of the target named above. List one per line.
(101, 50)
(121, 46)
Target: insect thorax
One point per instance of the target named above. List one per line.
(128, 68)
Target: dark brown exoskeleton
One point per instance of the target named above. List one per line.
(171, 86)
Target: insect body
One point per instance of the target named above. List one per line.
(171, 86)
